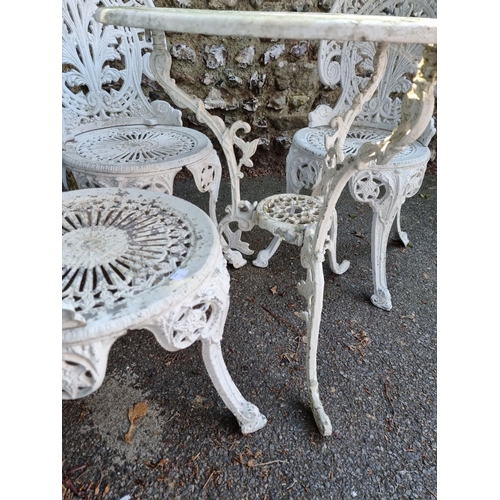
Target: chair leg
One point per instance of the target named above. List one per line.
(202, 316)
(402, 235)
(385, 192)
(247, 414)
(400, 185)
(263, 256)
(381, 227)
(207, 176)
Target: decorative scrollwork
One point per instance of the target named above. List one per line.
(161, 62)
(79, 377)
(349, 65)
(93, 86)
(369, 187)
(200, 316)
(104, 263)
(84, 366)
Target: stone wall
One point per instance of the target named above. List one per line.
(272, 84)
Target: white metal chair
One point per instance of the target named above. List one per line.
(136, 259)
(113, 136)
(347, 67)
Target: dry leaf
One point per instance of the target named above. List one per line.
(198, 402)
(274, 290)
(134, 414)
(106, 491)
(251, 462)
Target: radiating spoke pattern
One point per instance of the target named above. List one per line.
(140, 144)
(354, 140)
(117, 247)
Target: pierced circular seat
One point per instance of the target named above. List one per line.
(288, 216)
(135, 259)
(311, 141)
(143, 156)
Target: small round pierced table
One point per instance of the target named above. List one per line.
(136, 259)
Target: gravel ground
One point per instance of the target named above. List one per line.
(377, 372)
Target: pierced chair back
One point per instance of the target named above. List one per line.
(348, 66)
(113, 134)
(103, 67)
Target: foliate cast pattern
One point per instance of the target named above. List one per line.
(94, 85)
(350, 65)
(293, 209)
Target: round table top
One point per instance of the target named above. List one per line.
(128, 254)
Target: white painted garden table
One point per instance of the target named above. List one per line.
(418, 106)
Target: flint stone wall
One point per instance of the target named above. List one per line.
(272, 84)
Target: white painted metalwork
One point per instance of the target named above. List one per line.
(136, 259)
(417, 108)
(113, 136)
(385, 188)
(290, 25)
(280, 215)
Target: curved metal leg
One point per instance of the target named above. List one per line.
(381, 227)
(207, 176)
(332, 249)
(202, 316)
(313, 290)
(247, 414)
(402, 235)
(263, 256)
(385, 191)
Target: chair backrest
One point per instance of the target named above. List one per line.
(102, 70)
(349, 65)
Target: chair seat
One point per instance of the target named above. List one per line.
(136, 259)
(129, 254)
(136, 149)
(311, 140)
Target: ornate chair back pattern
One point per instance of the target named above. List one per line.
(349, 65)
(103, 67)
